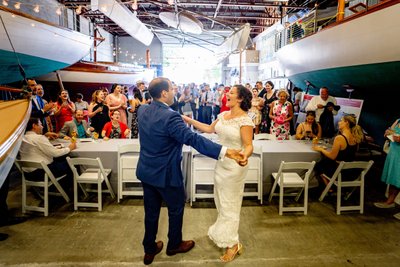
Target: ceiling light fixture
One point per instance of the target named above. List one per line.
(58, 11)
(170, 2)
(124, 18)
(5, 3)
(17, 5)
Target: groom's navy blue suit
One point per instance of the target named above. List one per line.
(162, 133)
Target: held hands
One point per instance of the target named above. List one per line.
(186, 119)
(237, 155)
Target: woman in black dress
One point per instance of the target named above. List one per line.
(98, 112)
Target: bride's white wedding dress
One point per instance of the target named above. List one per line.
(228, 183)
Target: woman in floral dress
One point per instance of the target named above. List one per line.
(280, 114)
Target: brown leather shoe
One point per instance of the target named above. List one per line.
(148, 258)
(184, 247)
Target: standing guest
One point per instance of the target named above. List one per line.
(64, 110)
(115, 129)
(391, 170)
(105, 91)
(216, 101)
(145, 93)
(207, 103)
(176, 105)
(344, 147)
(268, 98)
(98, 112)
(41, 109)
(234, 129)
(162, 135)
(223, 99)
(117, 101)
(318, 103)
(81, 104)
(78, 126)
(309, 129)
(256, 110)
(327, 121)
(248, 86)
(261, 90)
(281, 113)
(185, 101)
(135, 103)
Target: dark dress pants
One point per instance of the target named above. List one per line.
(174, 197)
(3, 200)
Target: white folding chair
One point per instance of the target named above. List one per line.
(254, 174)
(360, 170)
(128, 184)
(264, 136)
(48, 180)
(292, 179)
(202, 174)
(92, 172)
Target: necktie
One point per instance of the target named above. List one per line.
(40, 102)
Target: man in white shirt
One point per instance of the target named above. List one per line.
(37, 147)
(318, 103)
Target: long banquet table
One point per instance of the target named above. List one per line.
(273, 153)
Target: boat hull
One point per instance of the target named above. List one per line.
(362, 53)
(39, 46)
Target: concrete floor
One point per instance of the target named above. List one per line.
(113, 237)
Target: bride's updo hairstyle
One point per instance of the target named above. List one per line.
(245, 95)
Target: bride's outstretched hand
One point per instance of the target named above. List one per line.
(186, 119)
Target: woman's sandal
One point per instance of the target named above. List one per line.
(230, 253)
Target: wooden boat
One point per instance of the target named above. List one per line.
(360, 53)
(12, 131)
(102, 73)
(41, 47)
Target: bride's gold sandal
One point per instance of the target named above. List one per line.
(230, 253)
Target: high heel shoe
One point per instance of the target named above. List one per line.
(230, 253)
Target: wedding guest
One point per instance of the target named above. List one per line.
(118, 101)
(309, 129)
(115, 129)
(78, 127)
(256, 110)
(98, 112)
(281, 113)
(268, 98)
(64, 109)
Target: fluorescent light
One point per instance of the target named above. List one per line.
(124, 18)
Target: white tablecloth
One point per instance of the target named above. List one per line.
(273, 153)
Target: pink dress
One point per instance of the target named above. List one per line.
(65, 114)
(113, 101)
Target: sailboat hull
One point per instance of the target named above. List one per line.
(39, 46)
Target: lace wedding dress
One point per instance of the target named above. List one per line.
(228, 183)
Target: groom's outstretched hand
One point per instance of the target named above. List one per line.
(236, 155)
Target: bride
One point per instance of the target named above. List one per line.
(235, 130)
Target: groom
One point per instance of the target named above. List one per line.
(162, 133)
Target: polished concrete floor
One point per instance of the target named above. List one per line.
(113, 237)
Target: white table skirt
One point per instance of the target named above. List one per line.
(273, 153)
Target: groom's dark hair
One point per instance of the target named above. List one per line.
(158, 85)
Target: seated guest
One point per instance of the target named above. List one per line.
(344, 147)
(115, 129)
(37, 147)
(309, 129)
(78, 126)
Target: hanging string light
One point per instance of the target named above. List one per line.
(37, 9)
(58, 11)
(170, 2)
(17, 5)
(5, 3)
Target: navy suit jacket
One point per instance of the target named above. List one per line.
(162, 133)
